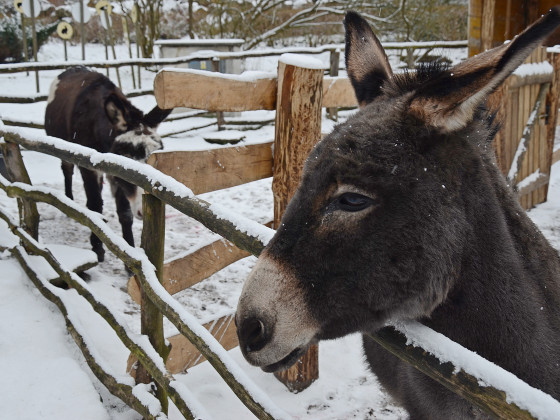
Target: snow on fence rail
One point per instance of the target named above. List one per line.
(137, 261)
(213, 55)
(484, 387)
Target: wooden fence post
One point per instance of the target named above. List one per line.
(219, 114)
(332, 113)
(153, 236)
(297, 129)
(28, 214)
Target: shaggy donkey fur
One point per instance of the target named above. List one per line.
(86, 108)
(402, 213)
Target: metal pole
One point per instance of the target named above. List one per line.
(112, 42)
(127, 32)
(82, 30)
(24, 34)
(138, 52)
(34, 40)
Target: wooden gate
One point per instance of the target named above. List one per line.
(526, 106)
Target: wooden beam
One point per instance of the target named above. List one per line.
(211, 91)
(487, 26)
(225, 92)
(515, 171)
(184, 355)
(338, 92)
(181, 273)
(530, 79)
(209, 170)
(540, 181)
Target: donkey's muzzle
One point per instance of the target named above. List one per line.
(273, 324)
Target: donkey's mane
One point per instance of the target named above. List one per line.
(409, 80)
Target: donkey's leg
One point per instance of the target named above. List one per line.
(68, 171)
(125, 214)
(92, 185)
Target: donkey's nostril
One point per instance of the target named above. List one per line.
(254, 334)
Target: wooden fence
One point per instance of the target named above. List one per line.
(250, 238)
(215, 57)
(527, 107)
(313, 91)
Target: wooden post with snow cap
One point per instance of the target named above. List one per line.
(151, 319)
(28, 214)
(297, 130)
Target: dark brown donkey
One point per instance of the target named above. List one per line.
(86, 108)
(402, 213)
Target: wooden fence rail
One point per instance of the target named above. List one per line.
(215, 57)
(204, 342)
(16, 68)
(170, 191)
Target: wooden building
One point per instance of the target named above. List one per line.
(491, 22)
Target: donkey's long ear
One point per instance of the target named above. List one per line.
(114, 109)
(366, 61)
(449, 101)
(155, 116)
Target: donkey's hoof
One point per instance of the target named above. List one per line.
(100, 255)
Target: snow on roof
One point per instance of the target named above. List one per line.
(196, 42)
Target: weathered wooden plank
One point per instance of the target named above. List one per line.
(487, 26)
(209, 170)
(184, 355)
(214, 92)
(530, 79)
(338, 92)
(181, 273)
(540, 181)
(523, 105)
(221, 92)
(552, 105)
(521, 160)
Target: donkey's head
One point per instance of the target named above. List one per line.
(383, 216)
(136, 139)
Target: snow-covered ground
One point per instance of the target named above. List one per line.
(44, 374)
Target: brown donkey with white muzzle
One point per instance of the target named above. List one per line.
(86, 108)
(402, 213)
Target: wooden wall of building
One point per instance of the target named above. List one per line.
(491, 22)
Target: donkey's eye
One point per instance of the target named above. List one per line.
(353, 202)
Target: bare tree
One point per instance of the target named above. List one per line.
(267, 20)
(148, 23)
